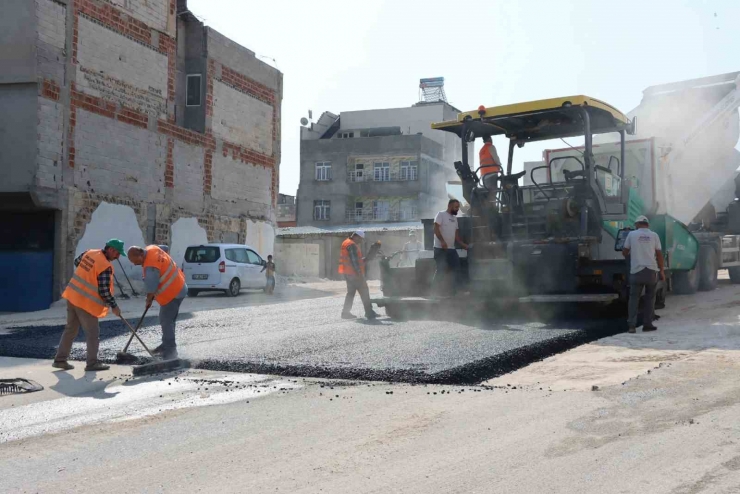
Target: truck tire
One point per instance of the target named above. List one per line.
(686, 282)
(707, 266)
(734, 274)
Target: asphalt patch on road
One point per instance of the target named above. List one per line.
(566, 328)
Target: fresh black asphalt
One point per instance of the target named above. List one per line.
(308, 338)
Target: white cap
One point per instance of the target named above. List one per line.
(642, 219)
(360, 233)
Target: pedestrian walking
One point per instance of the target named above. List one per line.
(269, 269)
(643, 248)
(352, 266)
(89, 295)
(446, 233)
(165, 283)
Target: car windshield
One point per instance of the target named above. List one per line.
(202, 254)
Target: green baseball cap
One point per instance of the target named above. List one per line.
(116, 244)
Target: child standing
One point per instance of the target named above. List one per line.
(269, 267)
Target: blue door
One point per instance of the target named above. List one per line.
(26, 280)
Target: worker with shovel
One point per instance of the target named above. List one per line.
(89, 294)
(164, 283)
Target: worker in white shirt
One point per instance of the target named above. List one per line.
(646, 267)
(446, 233)
(411, 250)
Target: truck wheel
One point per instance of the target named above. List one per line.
(734, 274)
(686, 282)
(707, 265)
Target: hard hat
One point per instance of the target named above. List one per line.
(642, 219)
(360, 233)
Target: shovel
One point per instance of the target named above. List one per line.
(123, 356)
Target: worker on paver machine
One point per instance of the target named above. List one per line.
(490, 164)
(89, 294)
(165, 283)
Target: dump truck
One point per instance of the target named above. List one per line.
(557, 237)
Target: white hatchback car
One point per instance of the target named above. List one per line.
(222, 267)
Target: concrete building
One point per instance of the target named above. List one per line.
(129, 119)
(376, 166)
(286, 211)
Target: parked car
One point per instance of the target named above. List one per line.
(222, 267)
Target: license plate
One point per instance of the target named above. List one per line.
(200, 276)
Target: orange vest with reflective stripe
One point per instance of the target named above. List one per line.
(487, 163)
(82, 290)
(345, 265)
(171, 279)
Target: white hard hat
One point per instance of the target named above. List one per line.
(360, 233)
(642, 219)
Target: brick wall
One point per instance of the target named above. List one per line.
(50, 154)
(153, 13)
(242, 119)
(116, 158)
(120, 69)
(51, 38)
(188, 175)
(235, 181)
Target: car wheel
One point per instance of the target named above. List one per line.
(193, 293)
(234, 288)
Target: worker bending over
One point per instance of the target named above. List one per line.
(490, 164)
(164, 283)
(89, 294)
(352, 266)
(646, 266)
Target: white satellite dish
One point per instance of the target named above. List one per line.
(304, 121)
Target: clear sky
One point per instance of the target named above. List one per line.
(341, 55)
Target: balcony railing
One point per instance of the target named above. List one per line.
(378, 215)
(371, 176)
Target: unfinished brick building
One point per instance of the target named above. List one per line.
(127, 118)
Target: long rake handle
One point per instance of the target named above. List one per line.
(137, 336)
(125, 349)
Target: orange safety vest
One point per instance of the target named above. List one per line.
(171, 279)
(487, 163)
(345, 265)
(82, 290)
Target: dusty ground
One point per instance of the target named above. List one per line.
(662, 418)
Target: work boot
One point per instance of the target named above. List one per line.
(169, 354)
(159, 350)
(63, 364)
(347, 315)
(97, 366)
(632, 330)
(648, 328)
(372, 315)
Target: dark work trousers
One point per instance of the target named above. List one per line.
(647, 279)
(167, 318)
(447, 276)
(356, 284)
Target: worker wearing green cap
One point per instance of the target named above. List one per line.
(89, 295)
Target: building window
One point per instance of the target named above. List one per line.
(382, 172)
(381, 210)
(358, 174)
(358, 211)
(321, 210)
(192, 93)
(323, 171)
(408, 210)
(409, 170)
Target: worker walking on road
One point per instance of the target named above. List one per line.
(490, 164)
(165, 283)
(446, 232)
(352, 266)
(646, 266)
(89, 294)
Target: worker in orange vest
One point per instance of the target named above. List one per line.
(490, 164)
(165, 283)
(89, 294)
(352, 266)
